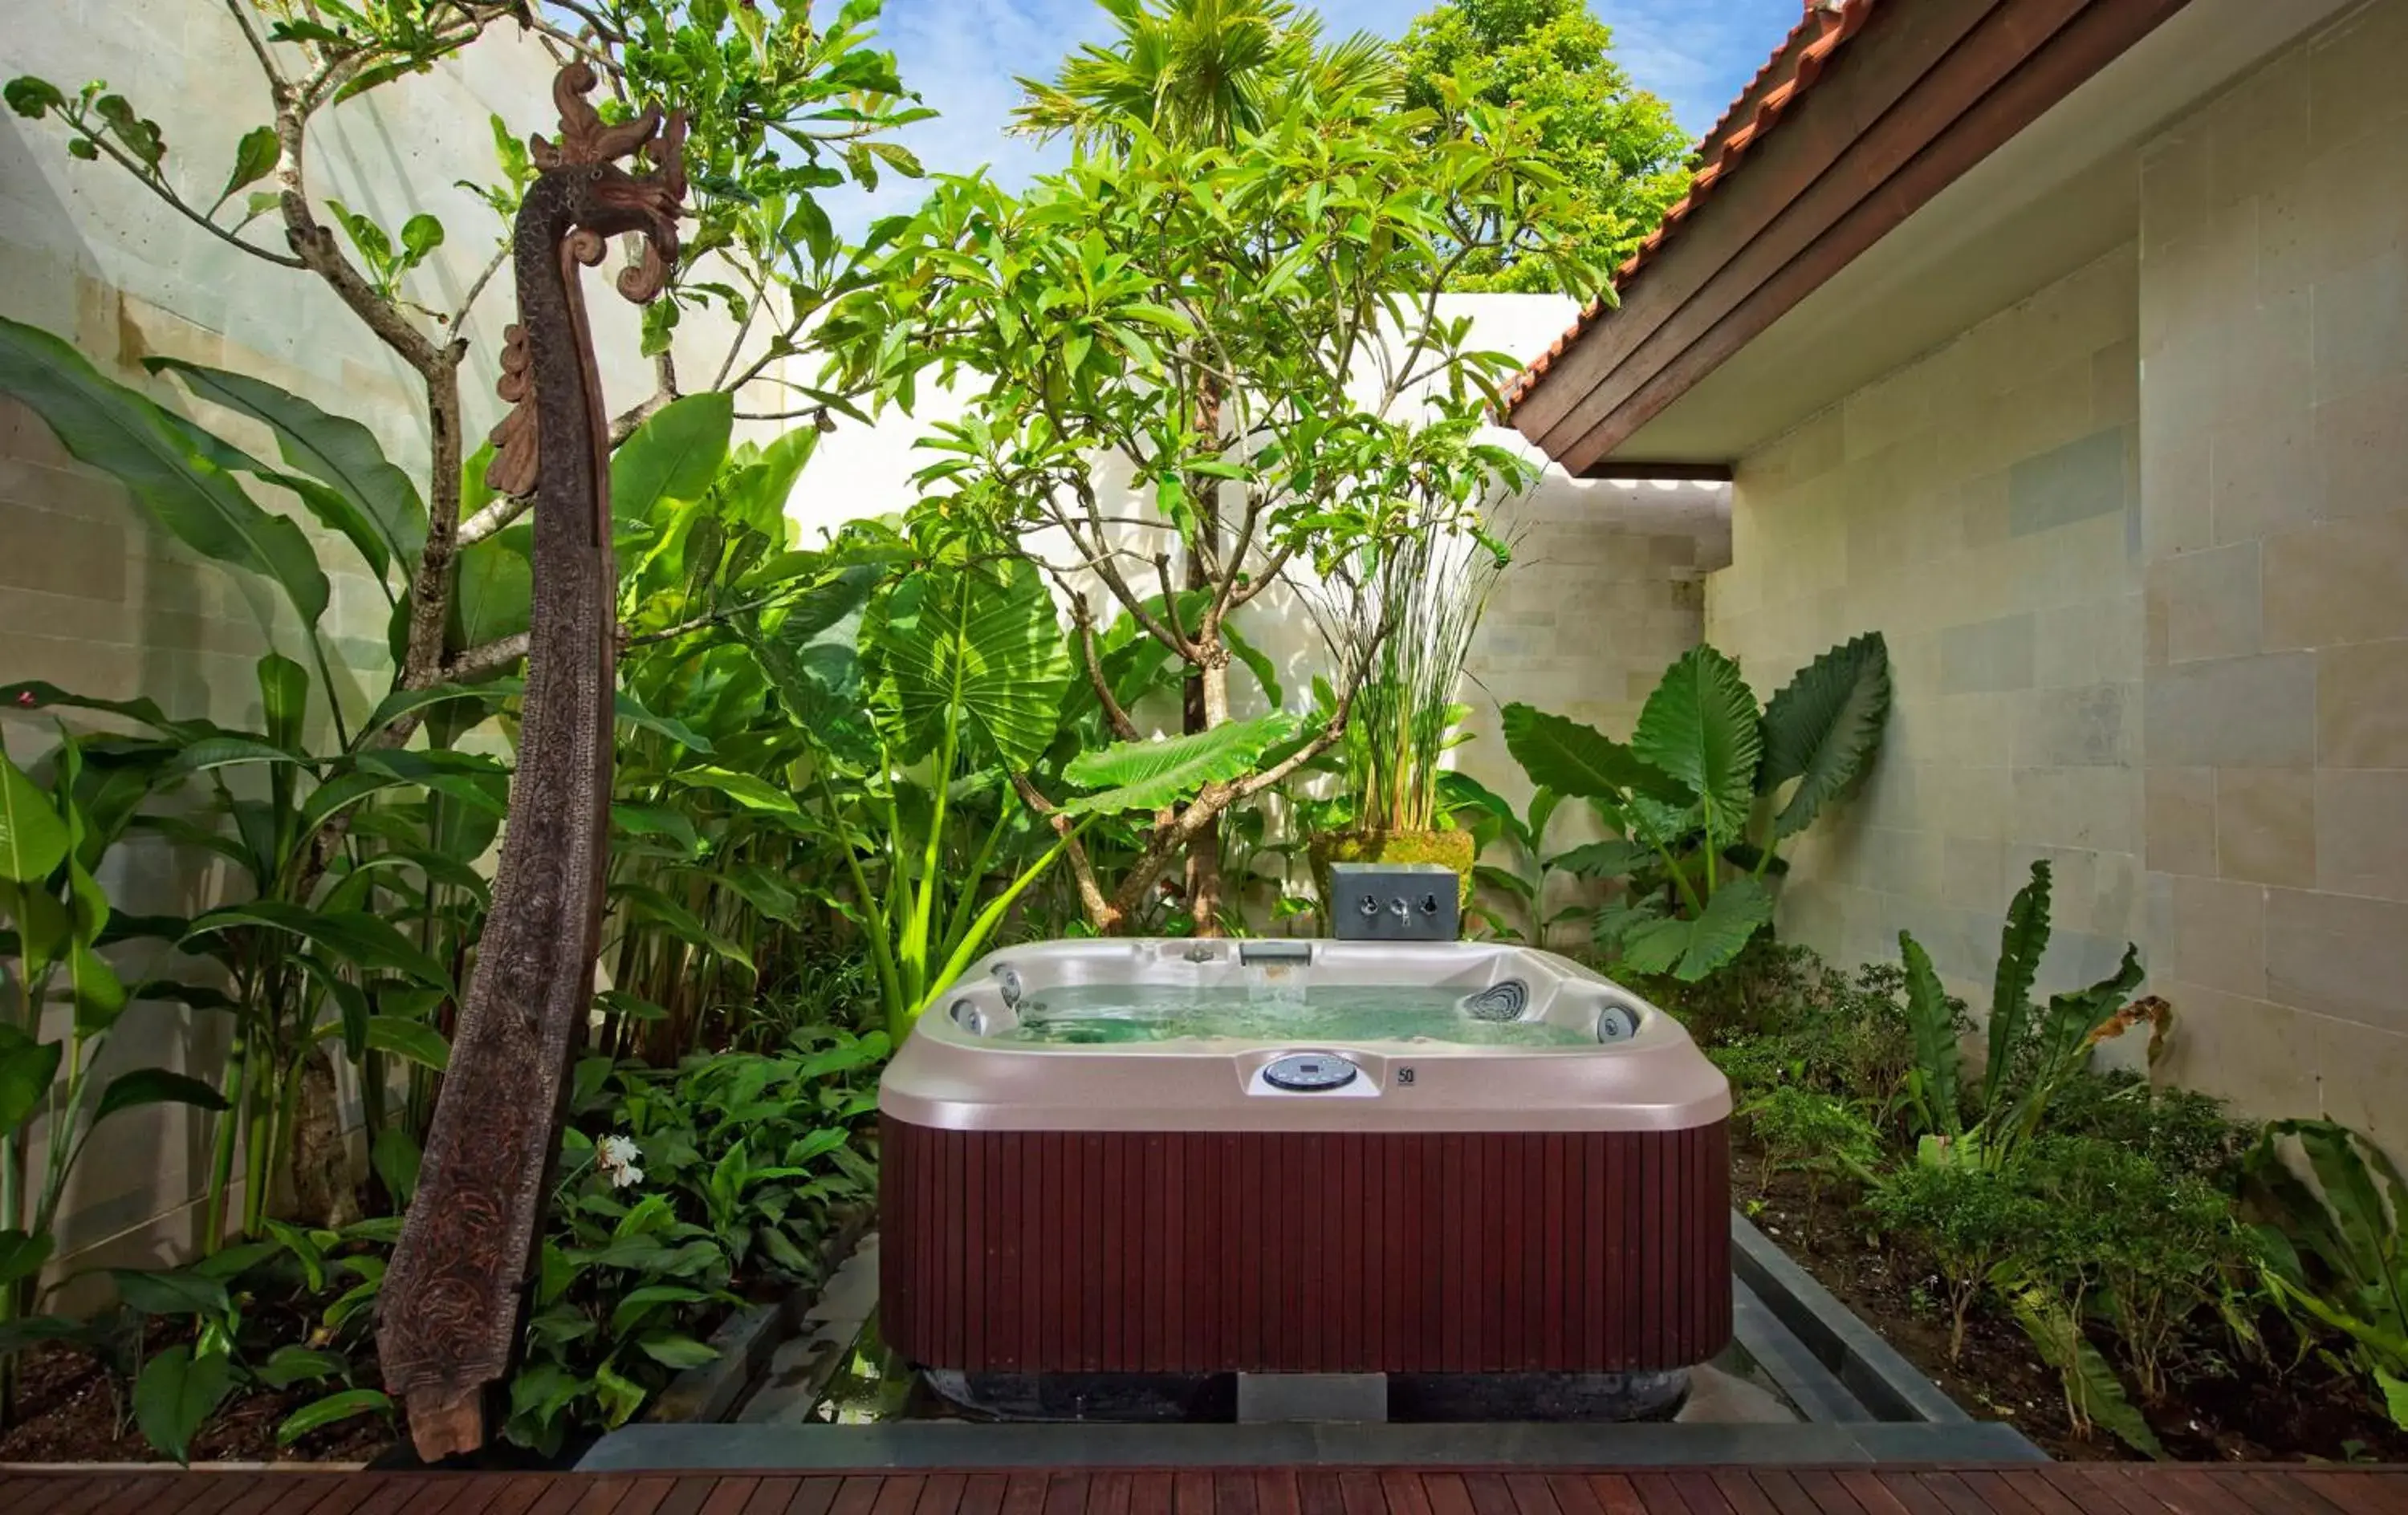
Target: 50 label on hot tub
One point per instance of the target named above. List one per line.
(1404, 1076)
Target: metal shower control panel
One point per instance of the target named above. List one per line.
(1394, 902)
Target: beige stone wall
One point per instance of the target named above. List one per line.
(1979, 509)
(2273, 310)
(2139, 545)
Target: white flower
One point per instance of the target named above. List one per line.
(616, 1156)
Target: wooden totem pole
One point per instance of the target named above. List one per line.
(454, 1300)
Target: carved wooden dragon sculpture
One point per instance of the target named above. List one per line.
(454, 1300)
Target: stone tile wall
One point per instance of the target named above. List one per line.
(1980, 507)
(2273, 323)
(2139, 545)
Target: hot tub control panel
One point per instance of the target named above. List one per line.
(1394, 902)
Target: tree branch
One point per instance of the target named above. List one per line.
(476, 287)
(276, 79)
(1101, 914)
(492, 518)
(485, 660)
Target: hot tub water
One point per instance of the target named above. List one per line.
(1290, 1009)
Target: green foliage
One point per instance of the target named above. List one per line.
(742, 1166)
(1172, 292)
(2332, 1253)
(1617, 146)
(1147, 776)
(2031, 1059)
(1968, 1219)
(1817, 1135)
(1705, 792)
(1194, 71)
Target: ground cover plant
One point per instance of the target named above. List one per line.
(2117, 1268)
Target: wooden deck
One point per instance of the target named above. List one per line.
(2058, 1489)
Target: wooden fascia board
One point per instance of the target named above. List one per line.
(1898, 45)
(2077, 51)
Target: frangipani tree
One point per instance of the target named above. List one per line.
(1205, 370)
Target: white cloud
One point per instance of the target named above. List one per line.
(962, 56)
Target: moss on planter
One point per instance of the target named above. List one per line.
(1454, 849)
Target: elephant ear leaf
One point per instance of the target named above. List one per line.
(1147, 776)
(1823, 729)
(1702, 727)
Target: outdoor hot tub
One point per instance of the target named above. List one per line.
(1209, 1157)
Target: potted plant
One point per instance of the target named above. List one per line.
(1429, 591)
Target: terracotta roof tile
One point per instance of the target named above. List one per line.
(1825, 25)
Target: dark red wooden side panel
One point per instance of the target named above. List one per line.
(1214, 1252)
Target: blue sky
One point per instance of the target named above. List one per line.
(962, 55)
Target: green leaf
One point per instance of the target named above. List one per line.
(1571, 758)
(352, 936)
(31, 97)
(395, 1157)
(420, 235)
(32, 839)
(98, 994)
(976, 651)
(2395, 1397)
(1824, 727)
(1701, 726)
(284, 699)
(225, 752)
(1937, 1056)
(26, 1070)
(21, 1256)
(1612, 858)
(673, 1351)
(171, 1291)
(2020, 949)
(673, 457)
(415, 1040)
(752, 792)
(254, 159)
(638, 1303)
(631, 711)
(155, 1086)
(321, 1413)
(121, 433)
(290, 1365)
(402, 702)
(1147, 776)
(495, 588)
(175, 1393)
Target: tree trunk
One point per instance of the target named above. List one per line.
(1199, 710)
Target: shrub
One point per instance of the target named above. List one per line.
(1819, 1136)
(2187, 1134)
(2336, 1255)
(1965, 1219)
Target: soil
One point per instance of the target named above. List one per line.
(73, 1415)
(2216, 1408)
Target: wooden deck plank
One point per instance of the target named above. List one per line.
(769, 1497)
(2286, 1495)
(644, 1496)
(729, 1496)
(1742, 1493)
(1829, 1495)
(2358, 1492)
(983, 1494)
(51, 1490)
(1448, 1497)
(685, 1498)
(1951, 1492)
(1360, 1493)
(2190, 1491)
(813, 1496)
(1276, 1493)
(1488, 1493)
(1191, 1492)
(1574, 1495)
(1317, 1492)
(1782, 1490)
(601, 1496)
(898, 1492)
(1657, 1494)
(1150, 1494)
(2110, 1495)
(2016, 1494)
(1870, 1491)
(1613, 1491)
(1530, 1495)
(1699, 1490)
(1404, 1493)
(942, 1494)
